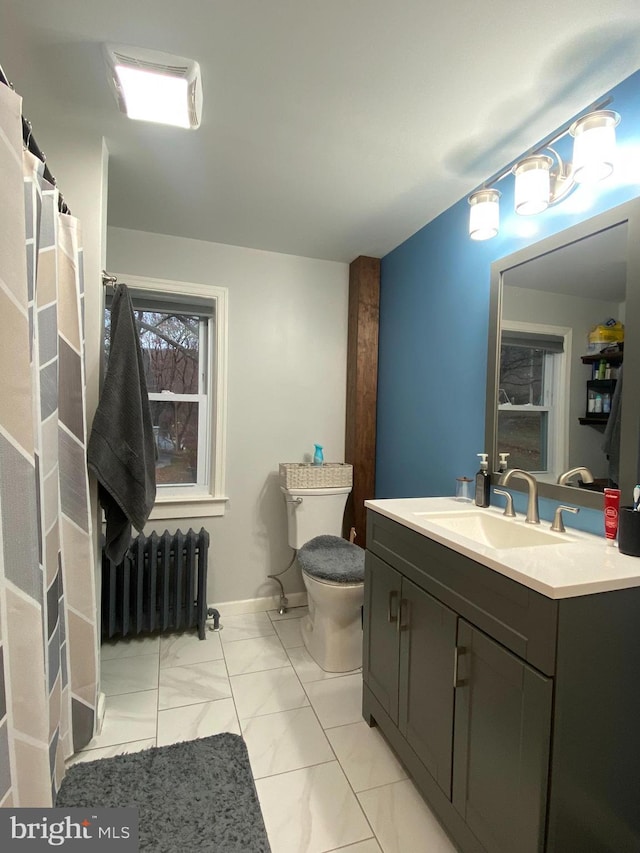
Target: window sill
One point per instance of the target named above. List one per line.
(204, 506)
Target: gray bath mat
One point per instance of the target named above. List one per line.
(198, 795)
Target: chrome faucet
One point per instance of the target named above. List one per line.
(532, 483)
(558, 523)
(508, 509)
(585, 475)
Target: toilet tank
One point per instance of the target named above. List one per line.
(312, 512)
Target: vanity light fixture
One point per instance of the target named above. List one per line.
(484, 214)
(533, 184)
(542, 179)
(152, 86)
(594, 146)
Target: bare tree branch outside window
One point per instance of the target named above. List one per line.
(170, 345)
(522, 374)
(521, 433)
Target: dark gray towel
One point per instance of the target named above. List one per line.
(121, 450)
(611, 438)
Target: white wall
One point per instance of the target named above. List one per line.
(287, 388)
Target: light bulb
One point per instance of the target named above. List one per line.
(484, 214)
(594, 146)
(533, 184)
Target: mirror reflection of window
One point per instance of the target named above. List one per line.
(529, 394)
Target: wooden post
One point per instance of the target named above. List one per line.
(362, 384)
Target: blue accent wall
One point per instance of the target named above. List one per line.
(434, 315)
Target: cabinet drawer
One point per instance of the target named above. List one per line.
(521, 619)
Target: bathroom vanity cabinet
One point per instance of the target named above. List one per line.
(518, 715)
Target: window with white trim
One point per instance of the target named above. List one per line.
(532, 412)
(182, 329)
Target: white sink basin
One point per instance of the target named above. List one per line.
(494, 531)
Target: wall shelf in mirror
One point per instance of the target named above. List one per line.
(610, 357)
(597, 421)
(598, 405)
(600, 391)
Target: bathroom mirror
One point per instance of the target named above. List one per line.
(544, 301)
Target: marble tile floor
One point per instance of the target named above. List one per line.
(325, 780)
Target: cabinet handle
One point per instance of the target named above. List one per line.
(403, 610)
(458, 650)
(393, 596)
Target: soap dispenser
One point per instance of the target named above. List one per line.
(503, 464)
(483, 481)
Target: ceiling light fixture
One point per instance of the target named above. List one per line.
(542, 179)
(153, 86)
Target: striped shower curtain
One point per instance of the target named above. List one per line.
(48, 634)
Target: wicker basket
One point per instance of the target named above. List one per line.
(331, 475)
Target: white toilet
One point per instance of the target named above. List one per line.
(333, 574)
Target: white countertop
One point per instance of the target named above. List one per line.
(580, 564)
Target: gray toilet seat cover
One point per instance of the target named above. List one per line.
(333, 559)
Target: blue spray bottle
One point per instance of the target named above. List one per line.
(318, 458)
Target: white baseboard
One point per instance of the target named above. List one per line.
(258, 605)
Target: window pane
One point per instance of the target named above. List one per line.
(170, 346)
(521, 375)
(175, 429)
(170, 349)
(524, 436)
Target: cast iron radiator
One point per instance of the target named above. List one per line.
(160, 585)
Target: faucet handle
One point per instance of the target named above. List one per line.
(558, 523)
(508, 510)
